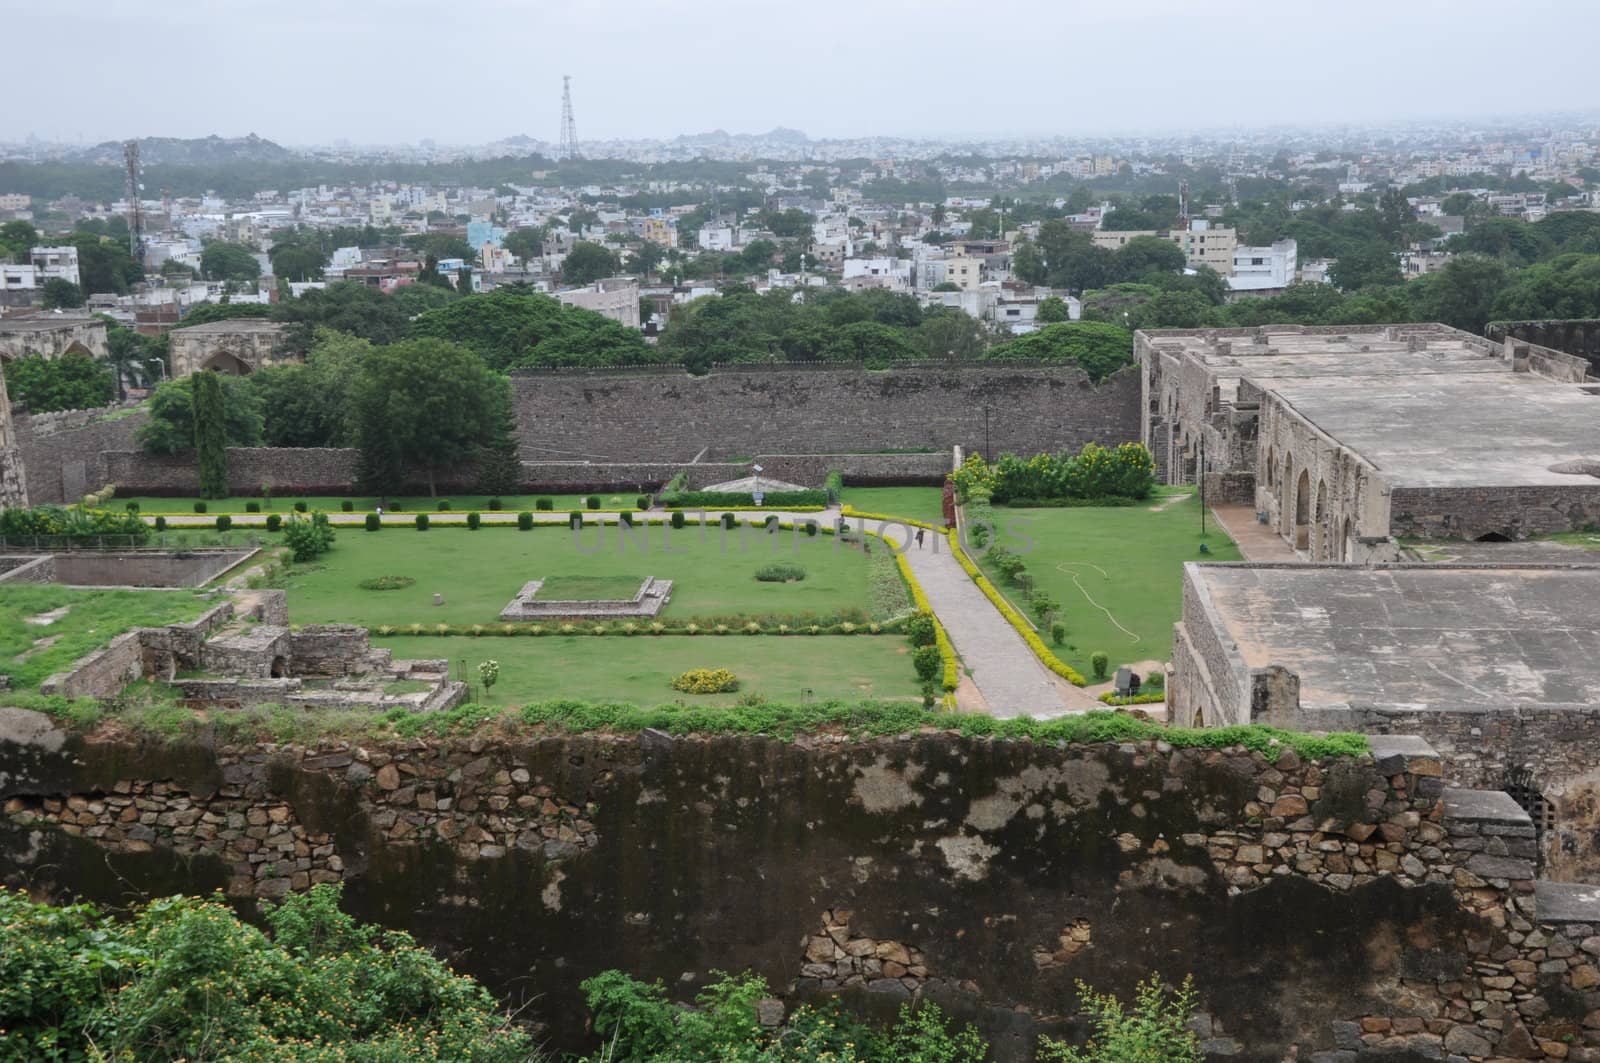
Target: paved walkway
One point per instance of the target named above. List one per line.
(1256, 541)
(1007, 674)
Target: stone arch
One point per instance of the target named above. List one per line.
(280, 668)
(1285, 499)
(1302, 511)
(77, 347)
(1199, 720)
(1320, 528)
(1272, 477)
(221, 361)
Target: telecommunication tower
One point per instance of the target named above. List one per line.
(569, 127)
(130, 159)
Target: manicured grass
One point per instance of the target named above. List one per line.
(478, 572)
(589, 588)
(93, 618)
(284, 504)
(1126, 558)
(640, 668)
(919, 503)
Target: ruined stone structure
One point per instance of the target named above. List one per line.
(1338, 910)
(664, 414)
(50, 335)
(237, 346)
(65, 453)
(1497, 665)
(1356, 435)
(1579, 337)
(651, 597)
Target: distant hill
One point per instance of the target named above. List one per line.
(722, 138)
(201, 151)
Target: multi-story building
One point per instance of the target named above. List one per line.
(964, 271)
(1264, 270)
(1202, 243)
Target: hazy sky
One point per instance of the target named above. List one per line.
(469, 71)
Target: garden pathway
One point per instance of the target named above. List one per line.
(1007, 674)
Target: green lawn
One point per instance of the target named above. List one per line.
(1126, 558)
(284, 504)
(92, 619)
(589, 588)
(640, 668)
(479, 572)
(920, 503)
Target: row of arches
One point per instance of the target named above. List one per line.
(1304, 516)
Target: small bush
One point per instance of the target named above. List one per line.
(299, 507)
(132, 507)
(274, 522)
(592, 502)
(677, 518)
(1155, 681)
(347, 506)
(544, 503)
(495, 505)
(224, 522)
(252, 507)
(473, 520)
(728, 520)
(444, 505)
(524, 521)
(422, 522)
(199, 507)
(374, 522)
(642, 502)
(396, 507)
(626, 516)
(575, 519)
(780, 572)
(706, 681)
(161, 524)
(928, 663)
(386, 583)
(1058, 632)
(920, 629)
(1100, 661)
(771, 523)
(811, 529)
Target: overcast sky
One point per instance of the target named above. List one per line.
(470, 71)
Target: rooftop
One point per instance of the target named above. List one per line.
(232, 326)
(1416, 636)
(47, 322)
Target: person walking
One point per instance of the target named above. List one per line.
(920, 532)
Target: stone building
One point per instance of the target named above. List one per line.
(1344, 438)
(238, 346)
(1497, 665)
(50, 335)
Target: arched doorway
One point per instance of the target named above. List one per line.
(227, 363)
(1286, 500)
(1321, 532)
(1346, 543)
(1302, 511)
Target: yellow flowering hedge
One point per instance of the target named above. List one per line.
(1030, 636)
(706, 681)
(947, 651)
(851, 511)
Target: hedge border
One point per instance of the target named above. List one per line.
(1133, 699)
(947, 650)
(851, 511)
(1031, 637)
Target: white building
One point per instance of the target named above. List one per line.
(55, 263)
(1264, 269)
(715, 238)
(615, 297)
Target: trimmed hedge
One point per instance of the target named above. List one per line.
(275, 522)
(851, 511)
(422, 522)
(374, 522)
(947, 651)
(1133, 699)
(524, 521)
(1030, 636)
(473, 520)
(224, 522)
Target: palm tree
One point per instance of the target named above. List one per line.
(125, 353)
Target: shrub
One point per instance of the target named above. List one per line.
(833, 484)
(132, 507)
(728, 520)
(422, 522)
(386, 583)
(1099, 661)
(224, 522)
(299, 507)
(642, 502)
(780, 572)
(706, 681)
(495, 505)
(374, 522)
(473, 520)
(308, 538)
(274, 522)
(1156, 1027)
(347, 506)
(1058, 632)
(199, 507)
(626, 516)
(1156, 680)
(592, 502)
(524, 521)
(252, 507)
(161, 524)
(575, 519)
(677, 519)
(928, 663)
(544, 503)
(444, 505)
(811, 529)
(396, 507)
(920, 629)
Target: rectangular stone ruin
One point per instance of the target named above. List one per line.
(651, 597)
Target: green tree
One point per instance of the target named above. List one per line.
(1174, 310)
(587, 263)
(1516, 243)
(499, 460)
(1143, 255)
(60, 293)
(1394, 214)
(526, 243)
(307, 405)
(1568, 286)
(791, 224)
(104, 265)
(951, 334)
(71, 382)
(1052, 309)
(423, 404)
(441, 245)
(171, 428)
(1027, 262)
(1369, 265)
(346, 307)
(129, 357)
(211, 435)
(224, 261)
(512, 328)
(1098, 348)
(17, 238)
(869, 342)
(206, 313)
(297, 261)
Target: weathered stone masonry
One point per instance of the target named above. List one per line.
(1350, 906)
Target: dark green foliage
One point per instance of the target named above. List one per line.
(252, 507)
(184, 978)
(299, 507)
(626, 517)
(780, 572)
(495, 504)
(1095, 473)
(642, 502)
(308, 539)
(575, 519)
(920, 630)
(71, 382)
(1096, 347)
(161, 523)
(75, 523)
(347, 506)
(592, 502)
(274, 522)
(444, 505)
(474, 519)
(1099, 660)
(524, 521)
(422, 522)
(586, 263)
(510, 328)
(224, 522)
(373, 522)
(500, 459)
(833, 485)
(728, 520)
(223, 261)
(927, 661)
(677, 519)
(199, 507)
(171, 428)
(544, 503)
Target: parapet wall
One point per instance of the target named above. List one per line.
(64, 454)
(1350, 905)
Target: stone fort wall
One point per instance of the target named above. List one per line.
(65, 454)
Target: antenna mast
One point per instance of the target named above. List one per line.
(569, 128)
(130, 159)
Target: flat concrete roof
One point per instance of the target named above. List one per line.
(232, 325)
(1455, 431)
(1416, 636)
(46, 322)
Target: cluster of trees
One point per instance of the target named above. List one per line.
(1064, 257)
(75, 381)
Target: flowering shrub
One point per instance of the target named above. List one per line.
(706, 681)
(1095, 472)
(974, 472)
